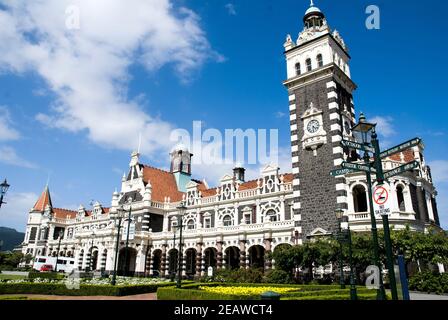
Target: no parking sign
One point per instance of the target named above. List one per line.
(381, 200)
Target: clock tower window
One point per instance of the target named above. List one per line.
(298, 69)
(308, 65)
(320, 61)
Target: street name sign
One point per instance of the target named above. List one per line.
(340, 172)
(357, 167)
(401, 147)
(381, 200)
(401, 169)
(356, 145)
(131, 231)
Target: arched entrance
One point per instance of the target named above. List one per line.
(126, 262)
(256, 257)
(190, 262)
(93, 259)
(210, 258)
(172, 262)
(157, 262)
(232, 258)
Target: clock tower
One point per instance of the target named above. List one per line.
(321, 114)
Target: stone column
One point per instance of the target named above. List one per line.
(219, 263)
(199, 260)
(163, 268)
(422, 203)
(183, 257)
(243, 262)
(267, 252)
(149, 262)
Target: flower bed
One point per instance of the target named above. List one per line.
(246, 291)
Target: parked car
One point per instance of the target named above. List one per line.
(46, 268)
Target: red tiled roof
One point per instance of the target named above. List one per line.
(64, 213)
(163, 184)
(43, 200)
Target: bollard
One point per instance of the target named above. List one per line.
(270, 295)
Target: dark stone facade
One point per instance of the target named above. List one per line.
(318, 195)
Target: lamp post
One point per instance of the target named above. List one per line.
(339, 214)
(364, 128)
(91, 252)
(57, 253)
(126, 266)
(173, 274)
(181, 211)
(4, 186)
(118, 220)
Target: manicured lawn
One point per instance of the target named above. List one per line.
(11, 277)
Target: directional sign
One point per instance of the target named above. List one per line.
(356, 145)
(401, 169)
(131, 231)
(341, 172)
(381, 200)
(357, 167)
(401, 147)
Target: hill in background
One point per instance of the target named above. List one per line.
(11, 238)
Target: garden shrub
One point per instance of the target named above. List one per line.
(429, 282)
(278, 276)
(46, 275)
(239, 275)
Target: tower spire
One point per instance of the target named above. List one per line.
(311, 3)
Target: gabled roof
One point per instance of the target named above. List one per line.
(43, 201)
(163, 184)
(64, 213)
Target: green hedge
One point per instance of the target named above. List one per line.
(307, 292)
(429, 282)
(84, 290)
(46, 275)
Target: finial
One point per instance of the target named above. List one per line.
(362, 117)
(312, 3)
(139, 142)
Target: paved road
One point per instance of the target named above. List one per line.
(146, 296)
(424, 296)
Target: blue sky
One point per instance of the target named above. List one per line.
(73, 102)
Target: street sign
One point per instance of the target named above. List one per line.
(401, 169)
(356, 145)
(401, 147)
(381, 200)
(210, 271)
(357, 167)
(340, 172)
(131, 231)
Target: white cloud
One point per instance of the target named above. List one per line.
(7, 132)
(385, 126)
(439, 170)
(230, 9)
(280, 114)
(88, 68)
(9, 156)
(14, 213)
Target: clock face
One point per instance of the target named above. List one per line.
(313, 126)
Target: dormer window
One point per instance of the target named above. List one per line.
(190, 224)
(298, 69)
(227, 221)
(308, 65)
(320, 61)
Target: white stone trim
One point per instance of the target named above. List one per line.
(331, 84)
(295, 170)
(296, 182)
(335, 127)
(293, 117)
(296, 206)
(296, 193)
(334, 116)
(294, 127)
(338, 162)
(337, 150)
(333, 105)
(336, 138)
(332, 94)
(340, 187)
(294, 138)
(341, 199)
(294, 148)
(295, 159)
(292, 97)
(292, 107)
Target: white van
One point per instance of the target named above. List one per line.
(65, 264)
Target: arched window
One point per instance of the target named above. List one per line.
(320, 61)
(271, 215)
(227, 221)
(400, 198)
(190, 224)
(360, 199)
(298, 69)
(308, 65)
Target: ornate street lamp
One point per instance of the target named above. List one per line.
(60, 234)
(181, 209)
(364, 132)
(126, 265)
(117, 221)
(339, 214)
(4, 186)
